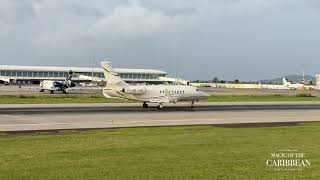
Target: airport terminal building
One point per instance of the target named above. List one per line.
(35, 74)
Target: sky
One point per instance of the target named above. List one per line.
(196, 39)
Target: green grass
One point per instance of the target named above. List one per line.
(56, 99)
(194, 152)
(262, 98)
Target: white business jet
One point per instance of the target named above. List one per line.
(159, 94)
(290, 85)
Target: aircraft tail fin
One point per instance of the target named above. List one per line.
(70, 76)
(111, 77)
(285, 82)
(68, 80)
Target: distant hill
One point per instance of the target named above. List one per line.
(292, 78)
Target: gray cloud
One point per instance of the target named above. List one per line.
(246, 39)
(16, 11)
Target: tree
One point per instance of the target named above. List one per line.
(310, 82)
(236, 81)
(215, 80)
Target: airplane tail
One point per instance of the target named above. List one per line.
(285, 82)
(70, 75)
(111, 77)
(68, 80)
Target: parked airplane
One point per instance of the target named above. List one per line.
(289, 84)
(6, 81)
(94, 81)
(52, 86)
(160, 94)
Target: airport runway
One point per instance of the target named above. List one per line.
(78, 90)
(79, 116)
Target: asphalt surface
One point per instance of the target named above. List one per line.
(34, 89)
(234, 91)
(86, 116)
(136, 108)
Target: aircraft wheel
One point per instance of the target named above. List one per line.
(192, 104)
(160, 106)
(52, 91)
(145, 105)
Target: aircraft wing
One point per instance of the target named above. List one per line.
(95, 79)
(162, 99)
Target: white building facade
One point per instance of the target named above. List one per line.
(35, 74)
(318, 81)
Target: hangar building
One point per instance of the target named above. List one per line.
(35, 74)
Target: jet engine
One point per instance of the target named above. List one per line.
(57, 84)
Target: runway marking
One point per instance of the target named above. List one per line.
(10, 116)
(113, 122)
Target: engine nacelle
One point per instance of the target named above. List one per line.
(134, 90)
(57, 84)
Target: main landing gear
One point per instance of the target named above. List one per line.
(65, 91)
(145, 105)
(160, 106)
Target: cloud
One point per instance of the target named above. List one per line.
(85, 11)
(212, 37)
(16, 11)
(136, 20)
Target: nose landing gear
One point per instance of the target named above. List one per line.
(160, 106)
(192, 104)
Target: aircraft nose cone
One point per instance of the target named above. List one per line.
(203, 95)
